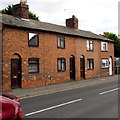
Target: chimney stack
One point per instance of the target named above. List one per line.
(21, 10)
(72, 22)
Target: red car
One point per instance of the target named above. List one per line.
(10, 107)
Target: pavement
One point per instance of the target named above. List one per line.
(37, 91)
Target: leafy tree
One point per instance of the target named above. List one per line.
(116, 40)
(110, 36)
(33, 16)
(9, 11)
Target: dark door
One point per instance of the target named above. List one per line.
(82, 67)
(72, 67)
(15, 73)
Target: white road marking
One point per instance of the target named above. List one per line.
(63, 104)
(102, 93)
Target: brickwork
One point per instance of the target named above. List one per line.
(16, 41)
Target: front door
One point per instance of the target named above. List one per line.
(110, 66)
(82, 67)
(15, 73)
(72, 67)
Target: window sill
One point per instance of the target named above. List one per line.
(90, 50)
(60, 48)
(90, 69)
(104, 51)
(33, 45)
(33, 73)
(61, 71)
(105, 68)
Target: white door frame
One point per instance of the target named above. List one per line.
(110, 66)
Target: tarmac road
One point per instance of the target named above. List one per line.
(94, 101)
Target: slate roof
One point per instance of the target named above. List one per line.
(38, 25)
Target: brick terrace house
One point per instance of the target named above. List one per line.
(36, 53)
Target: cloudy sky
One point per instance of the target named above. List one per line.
(97, 16)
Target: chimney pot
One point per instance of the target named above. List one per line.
(23, 1)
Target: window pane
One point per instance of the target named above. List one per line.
(61, 42)
(91, 41)
(87, 44)
(90, 64)
(58, 42)
(33, 68)
(33, 65)
(63, 66)
(104, 46)
(59, 64)
(105, 63)
(33, 39)
(91, 46)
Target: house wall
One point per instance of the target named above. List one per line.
(110, 53)
(0, 56)
(16, 41)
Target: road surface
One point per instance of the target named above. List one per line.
(97, 101)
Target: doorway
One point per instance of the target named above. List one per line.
(110, 66)
(16, 71)
(72, 67)
(82, 67)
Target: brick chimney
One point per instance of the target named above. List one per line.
(72, 22)
(21, 10)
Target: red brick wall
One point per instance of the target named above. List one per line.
(16, 41)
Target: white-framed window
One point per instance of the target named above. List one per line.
(61, 42)
(90, 64)
(33, 65)
(105, 63)
(104, 46)
(89, 45)
(61, 64)
(33, 40)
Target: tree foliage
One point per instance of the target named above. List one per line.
(116, 40)
(9, 11)
(33, 16)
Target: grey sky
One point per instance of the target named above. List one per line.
(97, 16)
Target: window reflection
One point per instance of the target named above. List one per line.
(33, 39)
